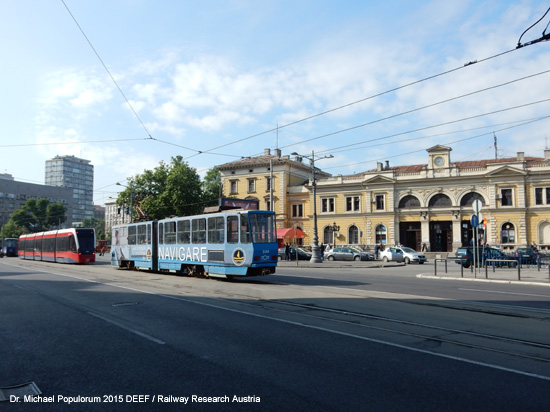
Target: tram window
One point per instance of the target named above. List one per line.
(49, 244)
(131, 235)
(170, 233)
(232, 229)
(245, 233)
(61, 243)
(215, 229)
(141, 234)
(72, 244)
(262, 228)
(161, 233)
(199, 231)
(148, 234)
(184, 231)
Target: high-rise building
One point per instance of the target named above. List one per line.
(78, 175)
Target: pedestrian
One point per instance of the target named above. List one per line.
(376, 250)
(328, 248)
(287, 251)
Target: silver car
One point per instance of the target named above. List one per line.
(411, 255)
(346, 253)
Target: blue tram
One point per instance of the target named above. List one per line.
(225, 244)
(10, 246)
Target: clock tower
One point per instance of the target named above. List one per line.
(439, 157)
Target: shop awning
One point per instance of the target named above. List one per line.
(288, 233)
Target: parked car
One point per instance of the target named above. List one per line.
(346, 253)
(411, 255)
(302, 254)
(466, 255)
(526, 255)
(391, 254)
(370, 256)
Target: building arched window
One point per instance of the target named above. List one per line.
(507, 233)
(440, 200)
(544, 233)
(408, 202)
(469, 198)
(381, 234)
(328, 235)
(353, 235)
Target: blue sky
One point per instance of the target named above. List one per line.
(204, 74)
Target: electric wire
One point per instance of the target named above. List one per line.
(357, 102)
(533, 25)
(114, 80)
(309, 117)
(418, 109)
(437, 125)
(444, 144)
(72, 142)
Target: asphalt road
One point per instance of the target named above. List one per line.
(302, 339)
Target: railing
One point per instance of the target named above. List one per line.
(452, 260)
(494, 263)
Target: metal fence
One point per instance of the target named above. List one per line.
(541, 262)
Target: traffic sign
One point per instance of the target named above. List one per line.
(475, 220)
(477, 205)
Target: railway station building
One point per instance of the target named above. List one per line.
(427, 207)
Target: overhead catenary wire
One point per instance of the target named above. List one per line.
(210, 151)
(419, 108)
(439, 125)
(114, 80)
(355, 102)
(445, 143)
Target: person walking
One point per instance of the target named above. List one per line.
(287, 251)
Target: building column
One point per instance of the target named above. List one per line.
(425, 230)
(457, 231)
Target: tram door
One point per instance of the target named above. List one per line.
(441, 236)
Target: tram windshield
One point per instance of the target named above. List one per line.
(86, 240)
(11, 242)
(262, 227)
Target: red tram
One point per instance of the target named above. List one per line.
(75, 245)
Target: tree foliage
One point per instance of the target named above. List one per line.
(39, 215)
(11, 229)
(173, 189)
(97, 224)
(212, 187)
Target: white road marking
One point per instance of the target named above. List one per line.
(505, 293)
(137, 332)
(300, 324)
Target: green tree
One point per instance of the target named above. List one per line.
(173, 189)
(212, 187)
(97, 224)
(39, 215)
(11, 229)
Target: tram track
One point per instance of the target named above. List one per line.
(366, 314)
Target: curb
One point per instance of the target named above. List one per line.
(509, 282)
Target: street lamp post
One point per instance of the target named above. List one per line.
(316, 256)
(131, 201)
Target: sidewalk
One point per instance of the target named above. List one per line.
(338, 264)
(527, 275)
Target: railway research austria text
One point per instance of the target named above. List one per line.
(184, 400)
